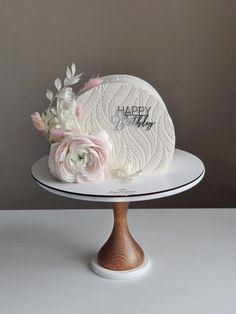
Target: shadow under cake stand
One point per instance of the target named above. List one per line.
(121, 257)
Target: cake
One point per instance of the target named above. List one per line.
(116, 126)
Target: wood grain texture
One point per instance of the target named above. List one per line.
(121, 251)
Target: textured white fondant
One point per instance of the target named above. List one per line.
(133, 80)
(135, 149)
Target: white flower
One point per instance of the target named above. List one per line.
(49, 120)
(61, 120)
(66, 112)
(67, 121)
(66, 94)
(80, 158)
(64, 116)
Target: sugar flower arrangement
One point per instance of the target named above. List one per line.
(74, 156)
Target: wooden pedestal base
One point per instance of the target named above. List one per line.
(120, 252)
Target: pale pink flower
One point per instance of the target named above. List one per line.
(80, 158)
(37, 121)
(57, 134)
(93, 82)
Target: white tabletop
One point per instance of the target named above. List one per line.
(44, 258)
(185, 171)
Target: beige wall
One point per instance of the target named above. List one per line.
(184, 48)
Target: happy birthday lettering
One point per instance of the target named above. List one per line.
(133, 110)
(132, 115)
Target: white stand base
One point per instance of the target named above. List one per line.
(120, 274)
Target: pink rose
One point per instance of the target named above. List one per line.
(80, 158)
(93, 82)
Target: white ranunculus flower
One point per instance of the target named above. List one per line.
(80, 158)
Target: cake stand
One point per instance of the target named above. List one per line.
(121, 257)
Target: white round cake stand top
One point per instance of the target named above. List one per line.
(185, 171)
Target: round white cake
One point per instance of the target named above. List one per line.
(136, 120)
